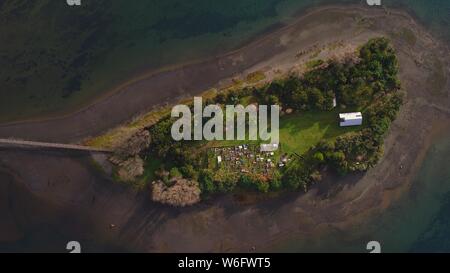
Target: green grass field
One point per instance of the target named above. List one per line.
(298, 133)
(301, 131)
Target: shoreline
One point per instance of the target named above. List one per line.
(390, 196)
(138, 85)
(146, 74)
(263, 35)
(145, 226)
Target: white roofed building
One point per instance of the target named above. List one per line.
(350, 119)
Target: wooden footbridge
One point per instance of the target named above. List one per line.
(36, 144)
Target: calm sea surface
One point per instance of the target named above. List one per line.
(419, 222)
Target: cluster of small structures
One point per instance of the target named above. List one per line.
(246, 158)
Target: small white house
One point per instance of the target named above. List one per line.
(350, 119)
(219, 159)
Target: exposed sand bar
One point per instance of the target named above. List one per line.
(318, 26)
(223, 224)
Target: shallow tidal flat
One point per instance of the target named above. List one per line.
(315, 219)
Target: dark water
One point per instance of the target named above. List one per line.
(184, 30)
(418, 222)
(58, 58)
(435, 14)
(435, 237)
(29, 224)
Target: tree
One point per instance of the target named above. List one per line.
(292, 180)
(188, 171)
(316, 98)
(263, 186)
(318, 157)
(337, 160)
(273, 100)
(295, 177)
(299, 99)
(174, 173)
(381, 126)
(161, 143)
(233, 98)
(206, 181)
(246, 181)
(275, 88)
(275, 181)
(291, 86)
(221, 98)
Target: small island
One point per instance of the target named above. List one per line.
(313, 139)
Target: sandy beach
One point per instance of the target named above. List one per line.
(70, 182)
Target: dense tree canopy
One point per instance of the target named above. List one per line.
(368, 84)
